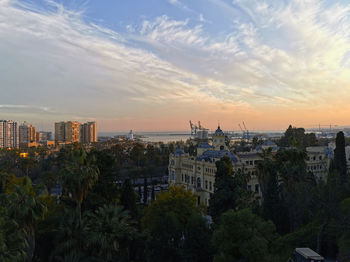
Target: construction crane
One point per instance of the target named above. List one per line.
(243, 132)
(193, 128)
(246, 130)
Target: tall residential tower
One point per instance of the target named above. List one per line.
(8, 134)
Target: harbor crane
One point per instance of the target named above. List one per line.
(244, 131)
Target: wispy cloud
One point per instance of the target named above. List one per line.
(289, 55)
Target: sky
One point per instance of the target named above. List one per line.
(154, 65)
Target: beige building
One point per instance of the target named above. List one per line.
(197, 173)
(88, 132)
(43, 136)
(27, 134)
(9, 137)
(67, 132)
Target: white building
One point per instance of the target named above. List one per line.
(8, 134)
(197, 173)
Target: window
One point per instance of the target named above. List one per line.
(199, 184)
(257, 188)
(182, 177)
(206, 184)
(210, 186)
(249, 187)
(320, 157)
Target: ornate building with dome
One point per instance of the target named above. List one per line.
(197, 173)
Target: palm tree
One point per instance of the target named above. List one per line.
(78, 176)
(109, 231)
(26, 209)
(264, 167)
(26, 163)
(12, 244)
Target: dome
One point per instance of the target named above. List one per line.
(179, 152)
(204, 145)
(209, 154)
(219, 132)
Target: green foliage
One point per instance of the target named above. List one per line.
(197, 245)
(177, 230)
(108, 233)
(243, 236)
(296, 137)
(340, 157)
(229, 190)
(128, 198)
(12, 239)
(177, 200)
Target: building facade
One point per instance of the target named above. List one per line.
(197, 173)
(43, 136)
(88, 133)
(27, 134)
(9, 137)
(67, 132)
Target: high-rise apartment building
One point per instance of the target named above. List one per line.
(8, 134)
(42, 136)
(67, 132)
(27, 134)
(88, 132)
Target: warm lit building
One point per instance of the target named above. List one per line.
(67, 132)
(43, 136)
(88, 132)
(197, 173)
(27, 134)
(8, 134)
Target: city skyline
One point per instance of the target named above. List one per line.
(153, 66)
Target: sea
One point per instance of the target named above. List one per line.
(165, 137)
(174, 136)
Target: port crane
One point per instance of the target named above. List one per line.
(244, 131)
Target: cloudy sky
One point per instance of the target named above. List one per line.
(155, 64)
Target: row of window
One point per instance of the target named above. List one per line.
(314, 158)
(188, 179)
(210, 170)
(187, 166)
(251, 162)
(315, 167)
(256, 188)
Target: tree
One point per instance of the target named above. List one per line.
(108, 233)
(26, 163)
(12, 243)
(296, 137)
(272, 203)
(243, 236)
(230, 190)
(26, 209)
(78, 177)
(153, 197)
(128, 198)
(197, 244)
(105, 190)
(145, 191)
(340, 157)
(177, 200)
